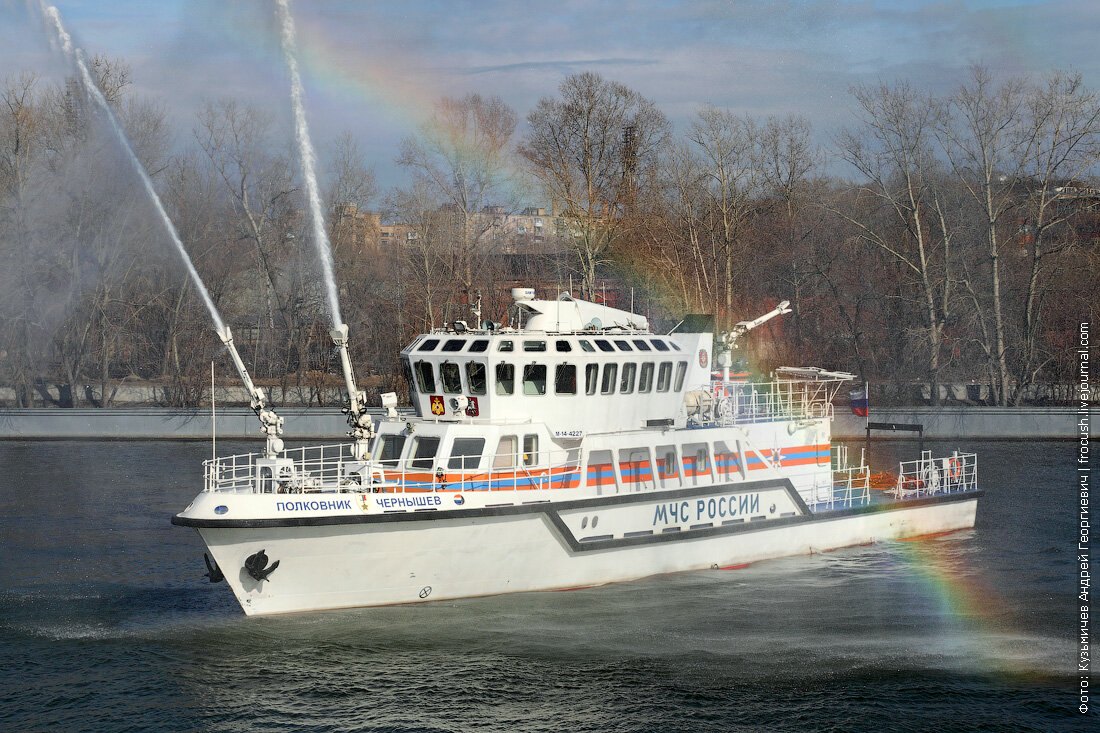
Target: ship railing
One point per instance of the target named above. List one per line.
(299, 470)
(334, 468)
(851, 483)
(725, 403)
(928, 476)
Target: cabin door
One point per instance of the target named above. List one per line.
(636, 469)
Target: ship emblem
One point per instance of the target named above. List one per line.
(459, 499)
(364, 503)
(471, 407)
(702, 357)
(437, 405)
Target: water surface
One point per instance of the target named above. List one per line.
(107, 623)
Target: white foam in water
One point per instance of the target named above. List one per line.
(309, 160)
(76, 57)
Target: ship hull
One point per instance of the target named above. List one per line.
(371, 559)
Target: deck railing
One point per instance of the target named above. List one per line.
(333, 468)
(929, 476)
(736, 403)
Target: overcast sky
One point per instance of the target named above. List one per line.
(374, 68)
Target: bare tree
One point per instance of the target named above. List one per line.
(788, 163)
(21, 133)
(588, 149)
(987, 146)
(893, 152)
(730, 184)
(236, 141)
(462, 156)
(1062, 121)
(424, 250)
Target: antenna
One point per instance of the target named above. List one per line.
(213, 418)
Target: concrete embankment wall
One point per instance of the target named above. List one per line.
(154, 422)
(971, 422)
(318, 423)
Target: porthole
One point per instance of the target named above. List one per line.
(584, 523)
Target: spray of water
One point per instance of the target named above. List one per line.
(75, 57)
(309, 159)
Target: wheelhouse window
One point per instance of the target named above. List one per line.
(429, 345)
(604, 345)
(562, 345)
(645, 382)
(454, 344)
(565, 379)
(534, 346)
(626, 385)
(466, 454)
(423, 452)
(681, 370)
(664, 376)
(506, 346)
(585, 345)
(607, 384)
(534, 379)
(425, 377)
(641, 344)
(479, 346)
(451, 376)
(660, 345)
(591, 378)
(475, 377)
(623, 345)
(389, 449)
(506, 379)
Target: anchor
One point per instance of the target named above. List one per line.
(213, 572)
(256, 566)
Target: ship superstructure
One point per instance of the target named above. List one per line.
(578, 449)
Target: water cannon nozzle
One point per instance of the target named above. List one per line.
(340, 334)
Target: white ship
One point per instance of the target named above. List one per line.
(579, 450)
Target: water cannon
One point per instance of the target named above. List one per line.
(271, 424)
(359, 420)
(729, 339)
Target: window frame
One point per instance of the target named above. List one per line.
(531, 369)
(498, 382)
(443, 379)
(418, 370)
(627, 376)
(645, 377)
(609, 378)
(471, 366)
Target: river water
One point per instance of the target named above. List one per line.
(107, 624)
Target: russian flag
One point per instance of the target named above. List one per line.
(859, 401)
